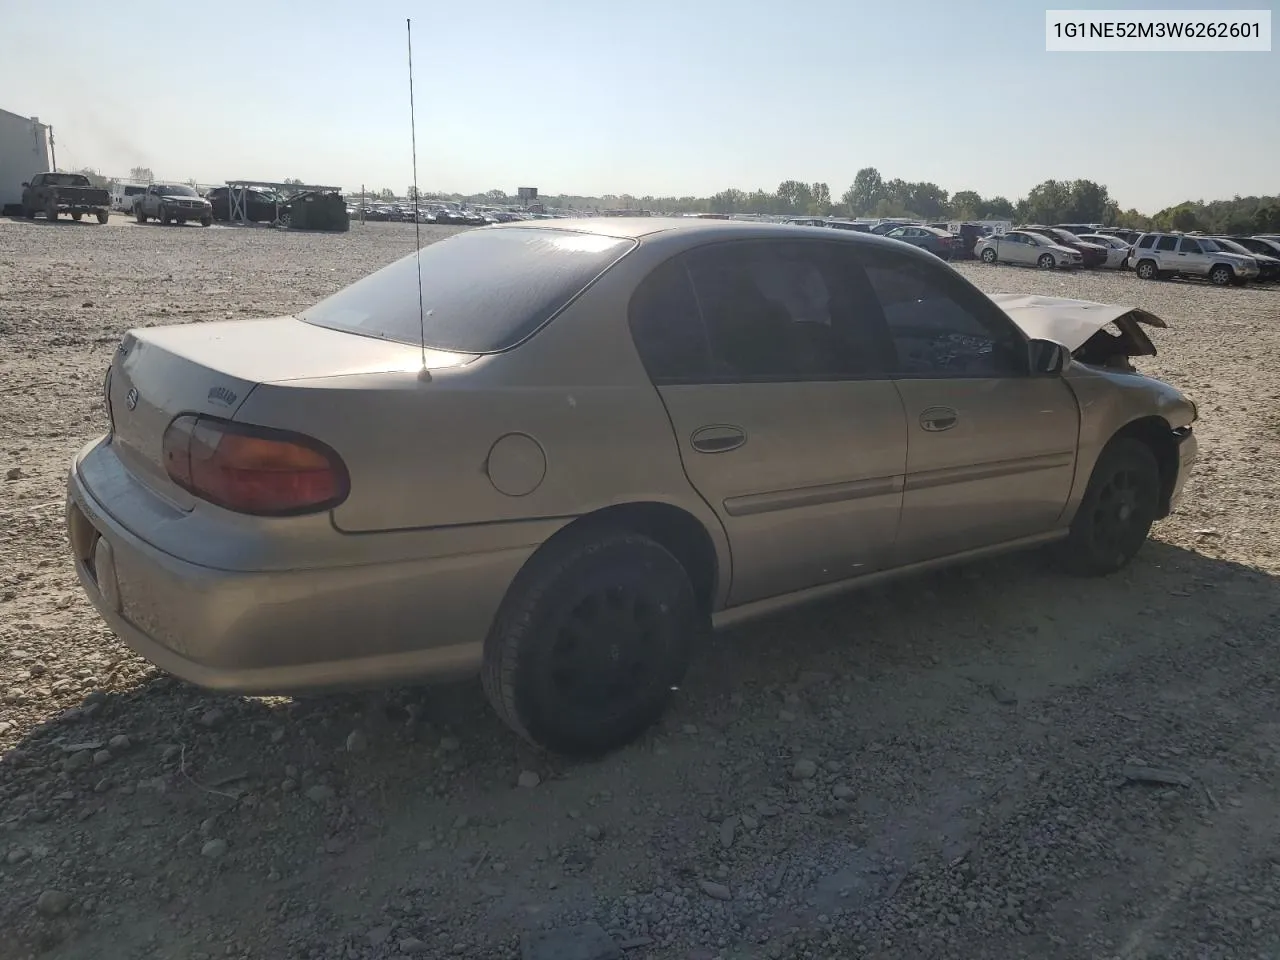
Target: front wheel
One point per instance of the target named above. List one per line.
(51, 212)
(1221, 275)
(77, 217)
(1046, 261)
(29, 212)
(206, 221)
(1117, 511)
(139, 215)
(591, 640)
(1146, 270)
(988, 255)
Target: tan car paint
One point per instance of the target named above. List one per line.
(403, 579)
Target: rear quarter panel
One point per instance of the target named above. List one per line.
(422, 454)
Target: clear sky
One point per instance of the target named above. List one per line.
(662, 97)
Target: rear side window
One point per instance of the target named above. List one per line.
(1167, 243)
(783, 311)
(667, 327)
(482, 291)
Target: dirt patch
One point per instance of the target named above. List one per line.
(934, 769)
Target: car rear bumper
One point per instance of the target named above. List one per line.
(371, 623)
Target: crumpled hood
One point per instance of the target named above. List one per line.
(1072, 322)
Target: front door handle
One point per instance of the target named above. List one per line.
(717, 438)
(937, 419)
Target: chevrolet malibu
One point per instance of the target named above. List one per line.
(569, 449)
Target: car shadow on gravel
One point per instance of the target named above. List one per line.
(352, 797)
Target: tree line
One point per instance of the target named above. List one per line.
(870, 195)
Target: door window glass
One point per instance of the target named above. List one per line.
(785, 311)
(938, 324)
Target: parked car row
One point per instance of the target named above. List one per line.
(1151, 255)
(436, 212)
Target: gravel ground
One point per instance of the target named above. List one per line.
(947, 767)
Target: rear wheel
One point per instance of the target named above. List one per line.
(139, 215)
(103, 215)
(1146, 270)
(29, 212)
(206, 221)
(989, 255)
(1046, 261)
(592, 639)
(1117, 511)
(77, 217)
(1221, 275)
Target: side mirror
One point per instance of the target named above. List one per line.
(1048, 358)
(25, 184)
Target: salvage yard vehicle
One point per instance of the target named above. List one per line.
(1159, 256)
(1029, 249)
(73, 193)
(589, 442)
(170, 202)
(1268, 264)
(1116, 248)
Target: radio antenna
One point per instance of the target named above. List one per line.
(423, 373)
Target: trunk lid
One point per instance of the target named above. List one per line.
(159, 373)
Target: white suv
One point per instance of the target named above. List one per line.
(1157, 256)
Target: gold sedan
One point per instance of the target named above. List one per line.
(558, 453)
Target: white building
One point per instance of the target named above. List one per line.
(24, 152)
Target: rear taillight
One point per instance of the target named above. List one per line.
(254, 470)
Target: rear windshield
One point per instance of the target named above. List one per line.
(482, 291)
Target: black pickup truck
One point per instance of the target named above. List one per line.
(55, 193)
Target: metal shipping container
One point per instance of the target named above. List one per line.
(24, 152)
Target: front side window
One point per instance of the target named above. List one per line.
(1167, 244)
(940, 326)
(1146, 242)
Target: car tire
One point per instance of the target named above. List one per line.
(988, 255)
(103, 216)
(206, 221)
(1046, 261)
(51, 212)
(591, 640)
(29, 212)
(77, 217)
(1115, 515)
(140, 216)
(1147, 270)
(1221, 275)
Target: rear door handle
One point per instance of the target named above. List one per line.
(717, 438)
(937, 419)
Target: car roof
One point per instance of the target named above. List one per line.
(693, 230)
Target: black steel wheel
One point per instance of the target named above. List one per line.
(591, 642)
(1119, 506)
